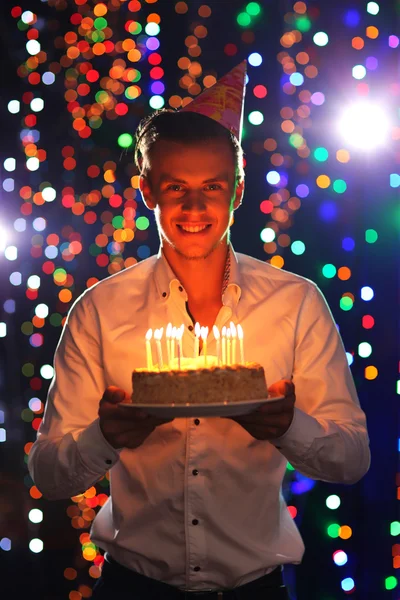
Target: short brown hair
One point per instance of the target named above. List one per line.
(185, 127)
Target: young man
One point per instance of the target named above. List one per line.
(195, 508)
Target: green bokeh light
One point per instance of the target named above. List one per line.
(243, 19)
(100, 23)
(395, 528)
(253, 9)
(125, 140)
(28, 369)
(321, 154)
(298, 247)
(390, 582)
(339, 186)
(329, 271)
(142, 223)
(346, 303)
(333, 530)
(118, 222)
(55, 319)
(303, 23)
(371, 236)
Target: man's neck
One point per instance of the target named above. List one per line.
(201, 278)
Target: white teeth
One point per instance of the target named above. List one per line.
(193, 229)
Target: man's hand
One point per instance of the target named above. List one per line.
(124, 428)
(273, 419)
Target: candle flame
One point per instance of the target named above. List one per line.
(149, 334)
(224, 331)
(182, 329)
(157, 334)
(240, 332)
(233, 329)
(173, 333)
(228, 333)
(204, 333)
(197, 329)
(216, 332)
(160, 332)
(169, 330)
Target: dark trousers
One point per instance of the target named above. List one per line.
(119, 583)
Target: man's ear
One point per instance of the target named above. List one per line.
(145, 190)
(238, 195)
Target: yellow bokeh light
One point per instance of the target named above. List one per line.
(277, 261)
(371, 372)
(323, 181)
(372, 32)
(343, 156)
(100, 10)
(345, 532)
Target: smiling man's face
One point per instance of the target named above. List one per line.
(192, 190)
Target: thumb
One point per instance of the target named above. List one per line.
(114, 394)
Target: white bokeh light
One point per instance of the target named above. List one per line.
(42, 311)
(364, 125)
(49, 194)
(36, 545)
(47, 372)
(35, 515)
(33, 282)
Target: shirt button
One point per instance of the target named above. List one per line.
(180, 288)
(195, 522)
(195, 472)
(197, 421)
(164, 294)
(108, 461)
(196, 569)
(190, 327)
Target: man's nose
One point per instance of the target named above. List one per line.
(194, 201)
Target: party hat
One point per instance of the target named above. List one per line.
(224, 101)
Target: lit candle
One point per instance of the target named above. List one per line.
(204, 334)
(228, 347)
(157, 336)
(179, 334)
(240, 336)
(233, 332)
(148, 349)
(197, 331)
(173, 337)
(223, 345)
(168, 336)
(217, 338)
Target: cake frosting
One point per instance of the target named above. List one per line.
(199, 383)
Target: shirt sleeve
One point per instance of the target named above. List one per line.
(328, 437)
(70, 453)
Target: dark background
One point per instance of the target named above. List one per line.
(369, 202)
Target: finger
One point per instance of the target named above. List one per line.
(114, 395)
(284, 387)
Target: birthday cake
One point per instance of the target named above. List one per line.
(197, 383)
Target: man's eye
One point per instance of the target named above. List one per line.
(214, 185)
(170, 187)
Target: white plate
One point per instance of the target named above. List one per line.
(218, 409)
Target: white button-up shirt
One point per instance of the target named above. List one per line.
(199, 504)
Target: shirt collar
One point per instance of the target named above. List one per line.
(167, 282)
